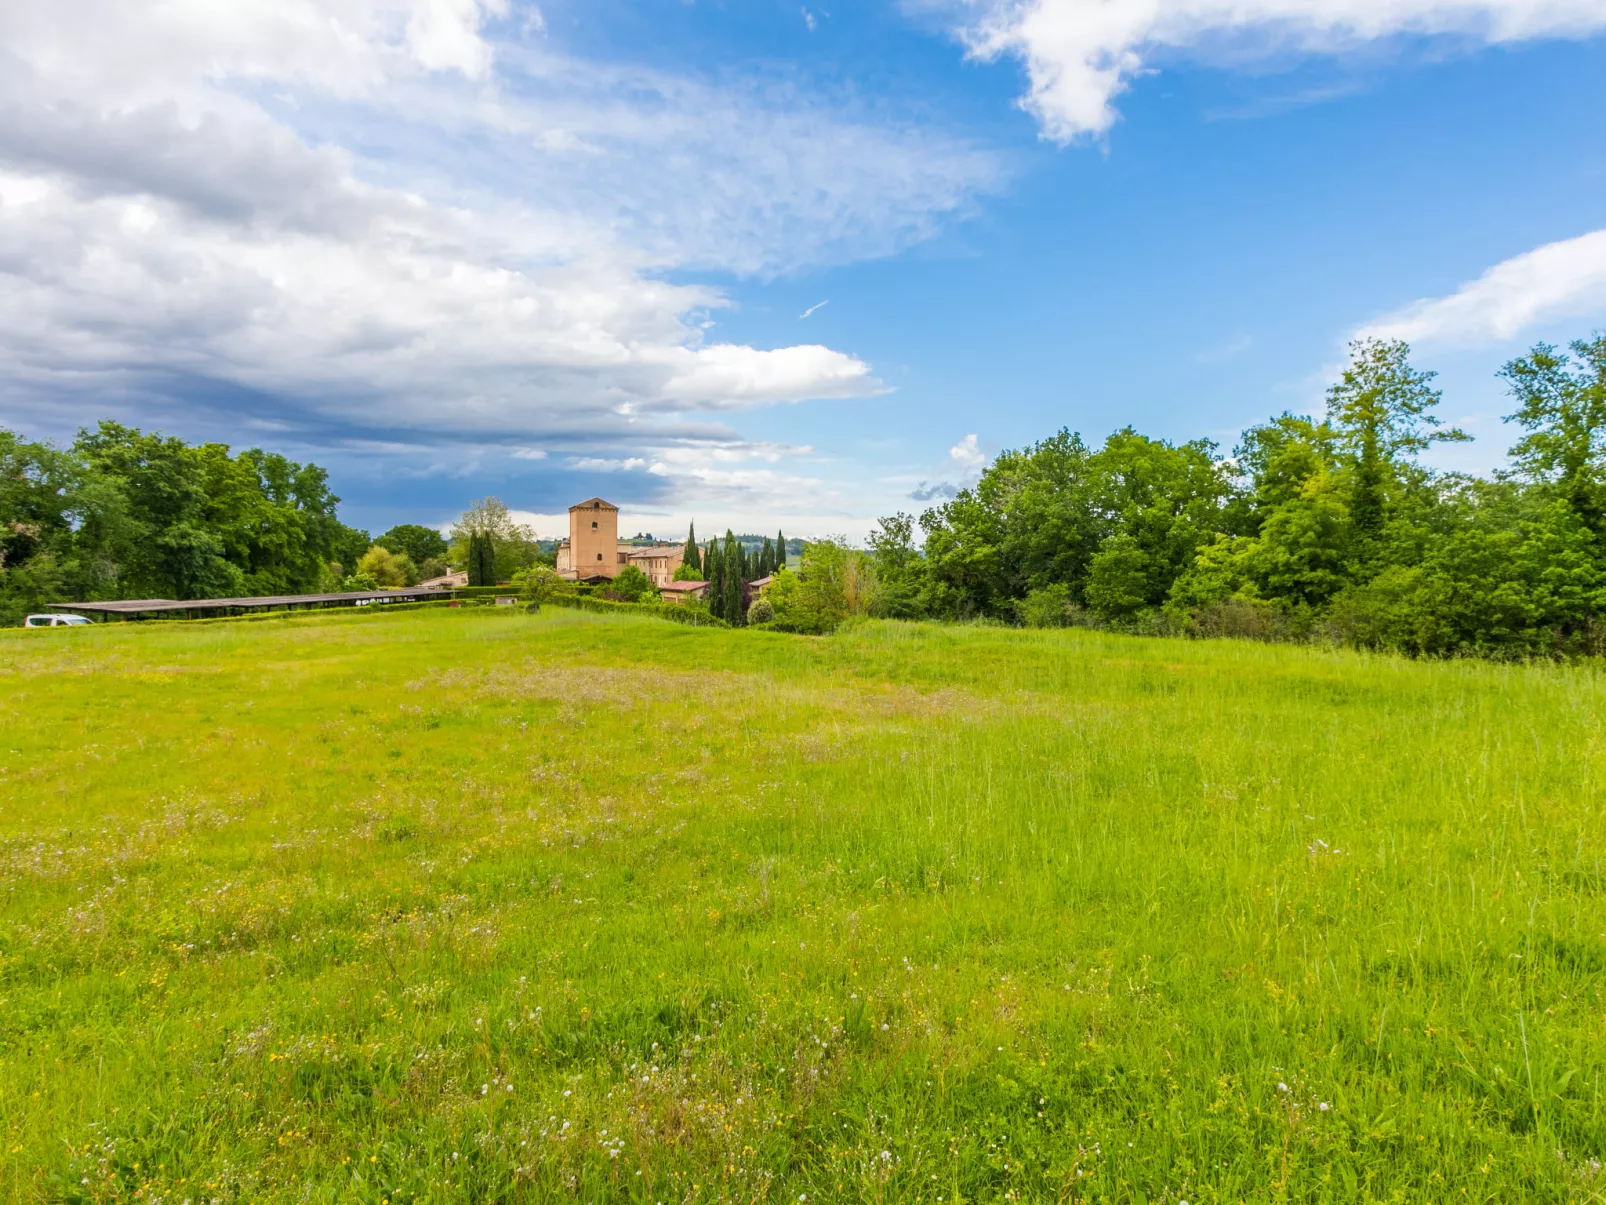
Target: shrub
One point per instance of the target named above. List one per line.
(836, 583)
(632, 585)
(539, 584)
(762, 611)
(390, 570)
(1049, 607)
(1242, 618)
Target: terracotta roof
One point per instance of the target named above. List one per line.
(683, 587)
(594, 504)
(761, 582)
(660, 550)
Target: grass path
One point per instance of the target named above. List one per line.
(457, 906)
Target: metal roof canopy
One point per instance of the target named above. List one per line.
(156, 606)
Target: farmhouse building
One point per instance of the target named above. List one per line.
(680, 592)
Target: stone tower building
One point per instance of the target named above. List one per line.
(594, 539)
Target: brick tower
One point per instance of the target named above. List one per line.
(594, 539)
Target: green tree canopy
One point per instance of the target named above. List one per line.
(1561, 403)
(1381, 414)
(123, 514)
(417, 542)
(388, 569)
(632, 585)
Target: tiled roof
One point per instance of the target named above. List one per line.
(683, 587)
(594, 504)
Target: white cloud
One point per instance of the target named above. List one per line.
(728, 376)
(546, 526)
(967, 454)
(601, 464)
(185, 204)
(444, 35)
(1561, 280)
(1080, 55)
(721, 482)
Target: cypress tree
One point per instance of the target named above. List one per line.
(715, 574)
(481, 560)
(734, 572)
(780, 551)
(691, 556)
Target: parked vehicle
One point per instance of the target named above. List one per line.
(54, 621)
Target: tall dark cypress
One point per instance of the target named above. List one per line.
(715, 574)
(732, 560)
(481, 560)
(691, 556)
(780, 551)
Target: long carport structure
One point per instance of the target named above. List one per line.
(192, 608)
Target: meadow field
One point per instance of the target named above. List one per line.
(482, 906)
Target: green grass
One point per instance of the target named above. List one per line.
(475, 906)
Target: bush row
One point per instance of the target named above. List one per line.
(674, 612)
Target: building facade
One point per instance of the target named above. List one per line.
(659, 562)
(593, 549)
(593, 545)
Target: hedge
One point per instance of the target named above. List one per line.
(674, 612)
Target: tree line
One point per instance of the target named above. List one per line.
(1314, 527)
(1326, 527)
(125, 514)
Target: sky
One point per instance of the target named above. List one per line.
(765, 264)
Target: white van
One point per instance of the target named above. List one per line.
(54, 621)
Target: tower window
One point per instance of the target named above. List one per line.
(593, 525)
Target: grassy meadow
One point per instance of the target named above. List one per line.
(480, 906)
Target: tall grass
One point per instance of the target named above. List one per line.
(476, 906)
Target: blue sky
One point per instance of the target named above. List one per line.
(765, 263)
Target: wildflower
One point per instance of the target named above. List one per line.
(1281, 1087)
